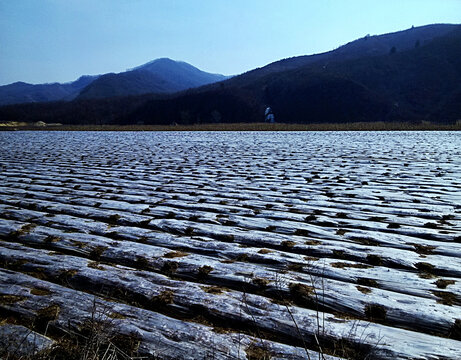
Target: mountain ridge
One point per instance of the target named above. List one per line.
(407, 39)
(413, 75)
(22, 92)
(161, 75)
(326, 90)
(142, 79)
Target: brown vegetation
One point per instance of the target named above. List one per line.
(355, 126)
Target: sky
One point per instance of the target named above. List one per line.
(60, 40)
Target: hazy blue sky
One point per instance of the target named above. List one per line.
(58, 40)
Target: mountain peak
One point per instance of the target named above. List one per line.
(162, 75)
(164, 61)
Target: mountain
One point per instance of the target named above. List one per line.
(158, 76)
(367, 46)
(180, 74)
(21, 92)
(410, 75)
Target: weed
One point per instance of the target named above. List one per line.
(342, 265)
(357, 350)
(23, 230)
(265, 251)
(170, 267)
(367, 282)
(446, 298)
(255, 352)
(79, 244)
(64, 275)
(204, 271)
(113, 219)
(287, 244)
(241, 257)
(40, 291)
(101, 339)
(342, 215)
(426, 269)
(228, 261)
(430, 225)
(216, 290)
(97, 251)
(175, 254)
(95, 265)
(10, 299)
(455, 330)
(163, 299)
(52, 239)
(393, 226)
(225, 237)
(423, 249)
(260, 282)
(311, 258)
(145, 222)
(295, 267)
(142, 262)
(442, 283)
(364, 290)
(339, 254)
(374, 260)
(116, 315)
(189, 231)
(302, 294)
(365, 241)
(375, 312)
(312, 242)
(301, 232)
(326, 224)
(377, 218)
(45, 315)
(341, 232)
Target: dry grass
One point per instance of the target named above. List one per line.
(10, 299)
(363, 289)
(175, 254)
(443, 283)
(446, 298)
(342, 265)
(204, 270)
(255, 352)
(356, 126)
(40, 292)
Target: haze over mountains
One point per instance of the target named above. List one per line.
(411, 75)
(158, 76)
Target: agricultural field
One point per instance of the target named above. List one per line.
(231, 245)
